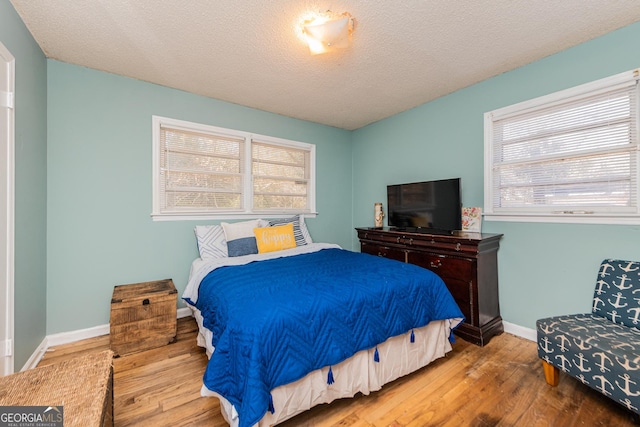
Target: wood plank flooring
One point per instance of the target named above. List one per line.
(501, 384)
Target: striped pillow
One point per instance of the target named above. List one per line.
(300, 231)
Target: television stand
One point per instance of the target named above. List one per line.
(466, 262)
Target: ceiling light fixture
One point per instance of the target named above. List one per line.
(328, 31)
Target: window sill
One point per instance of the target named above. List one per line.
(225, 216)
(565, 218)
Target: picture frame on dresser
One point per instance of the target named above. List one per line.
(472, 219)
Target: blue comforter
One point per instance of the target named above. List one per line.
(276, 320)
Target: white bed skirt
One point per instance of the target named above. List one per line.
(360, 373)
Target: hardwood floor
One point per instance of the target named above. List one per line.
(501, 384)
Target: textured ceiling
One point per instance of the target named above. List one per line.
(248, 52)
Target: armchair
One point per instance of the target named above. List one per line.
(602, 348)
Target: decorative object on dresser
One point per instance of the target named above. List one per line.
(79, 390)
(601, 348)
(143, 316)
(378, 214)
(467, 262)
(472, 219)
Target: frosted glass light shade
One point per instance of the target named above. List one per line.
(327, 36)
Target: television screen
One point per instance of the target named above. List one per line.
(425, 206)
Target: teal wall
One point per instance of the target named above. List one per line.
(99, 229)
(30, 184)
(544, 269)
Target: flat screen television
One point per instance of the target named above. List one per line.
(429, 206)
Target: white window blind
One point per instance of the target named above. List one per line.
(280, 177)
(207, 172)
(573, 154)
(200, 171)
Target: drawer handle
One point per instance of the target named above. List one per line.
(145, 301)
(398, 239)
(458, 246)
(381, 254)
(366, 235)
(411, 241)
(436, 264)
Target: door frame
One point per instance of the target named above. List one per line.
(7, 156)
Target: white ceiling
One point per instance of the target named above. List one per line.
(404, 53)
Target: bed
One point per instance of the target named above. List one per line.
(289, 329)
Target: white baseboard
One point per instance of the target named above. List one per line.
(184, 312)
(78, 335)
(520, 331)
(35, 358)
(73, 336)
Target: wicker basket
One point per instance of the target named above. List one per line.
(83, 386)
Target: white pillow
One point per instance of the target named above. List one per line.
(211, 241)
(240, 237)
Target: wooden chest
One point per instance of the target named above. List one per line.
(143, 316)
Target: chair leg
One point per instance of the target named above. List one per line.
(551, 374)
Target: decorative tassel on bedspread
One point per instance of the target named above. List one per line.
(452, 339)
(376, 356)
(271, 408)
(330, 377)
(413, 337)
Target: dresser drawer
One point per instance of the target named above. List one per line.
(383, 251)
(443, 265)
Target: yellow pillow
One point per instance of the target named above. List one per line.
(276, 238)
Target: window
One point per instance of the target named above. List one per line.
(206, 172)
(571, 156)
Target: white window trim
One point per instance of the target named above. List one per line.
(576, 216)
(247, 213)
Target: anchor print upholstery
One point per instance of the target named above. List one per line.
(602, 348)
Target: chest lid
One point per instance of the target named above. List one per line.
(143, 290)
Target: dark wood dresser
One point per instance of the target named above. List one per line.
(467, 262)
